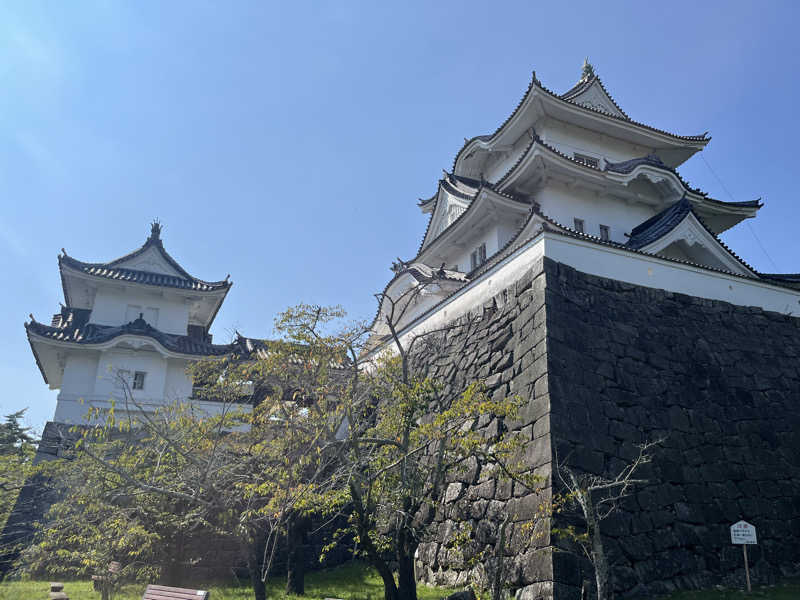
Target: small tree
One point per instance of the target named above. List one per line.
(17, 449)
(18, 494)
(404, 442)
(249, 472)
(99, 519)
(597, 497)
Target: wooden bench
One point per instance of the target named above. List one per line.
(162, 592)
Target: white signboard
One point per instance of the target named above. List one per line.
(743, 533)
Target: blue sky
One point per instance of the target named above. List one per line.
(287, 144)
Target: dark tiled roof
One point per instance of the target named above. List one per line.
(689, 138)
(652, 160)
(481, 185)
(425, 274)
(145, 277)
(75, 332)
(626, 166)
(778, 279)
(111, 270)
(744, 204)
(659, 225)
(790, 279)
(665, 221)
(247, 348)
(71, 317)
(536, 83)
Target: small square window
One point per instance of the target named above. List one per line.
(579, 225)
(478, 256)
(604, 233)
(138, 380)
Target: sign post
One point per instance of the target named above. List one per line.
(743, 533)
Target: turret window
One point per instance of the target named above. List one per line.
(604, 233)
(578, 225)
(589, 161)
(138, 380)
(478, 256)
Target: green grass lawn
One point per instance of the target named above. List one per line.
(783, 591)
(350, 582)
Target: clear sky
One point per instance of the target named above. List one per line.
(287, 144)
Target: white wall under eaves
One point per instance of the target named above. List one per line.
(612, 263)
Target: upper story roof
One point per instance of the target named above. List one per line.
(587, 104)
(149, 269)
(150, 264)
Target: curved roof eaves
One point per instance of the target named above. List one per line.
(111, 270)
(108, 271)
(559, 229)
(99, 334)
(535, 82)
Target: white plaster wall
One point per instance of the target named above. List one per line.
(90, 381)
(569, 139)
(612, 263)
(74, 410)
(480, 290)
(110, 307)
(499, 165)
(564, 205)
(494, 236)
(79, 373)
(653, 272)
(505, 231)
(152, 363)
(177, 385)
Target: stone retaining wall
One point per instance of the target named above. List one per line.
(603, 366)
(721, 384)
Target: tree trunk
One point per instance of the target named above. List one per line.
(498, 576)
(598, 552)
(295, 555)
(255, 563)
(390, 591)
(172, 574)
(389, 586)
(600, 564)
(406, 581)
(373, 556)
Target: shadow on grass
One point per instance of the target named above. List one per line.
(352, 581)
(788, 590)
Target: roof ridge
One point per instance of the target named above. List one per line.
(87, 266)
(626, 119)
(153, 241)
(585, 84)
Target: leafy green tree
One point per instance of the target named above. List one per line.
(96, 521)
(17, 449)
(250, 472)
(405, 441)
